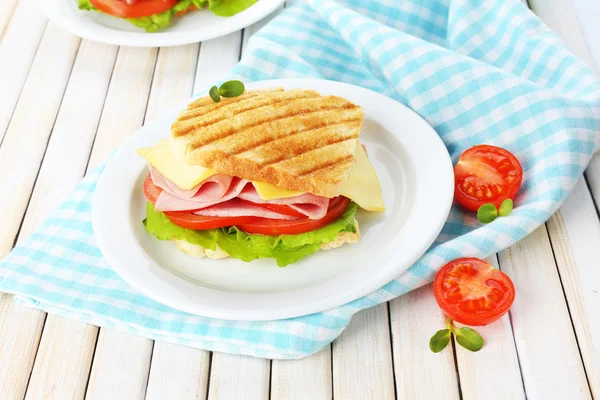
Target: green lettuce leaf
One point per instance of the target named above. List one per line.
(285, 249)
(227, 8)
(85, 5)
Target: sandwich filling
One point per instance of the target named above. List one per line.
(268, 174)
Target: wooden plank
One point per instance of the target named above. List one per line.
(178, 372)
(576, 225)
(550, 363)
(572, 230)
(415, 317)
(362, 357)
(129, 90)
(308, 378)
(8, 7)
(19, 339)
(59, 374)
(130, 66)
(43, 93)
(66, 379)
(19, 45)
(238, 377)
(120, 368)
(479, 371)
(216, 59)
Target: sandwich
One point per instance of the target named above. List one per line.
(153, 15)
(268, 174)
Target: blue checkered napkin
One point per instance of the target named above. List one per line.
(480, 71)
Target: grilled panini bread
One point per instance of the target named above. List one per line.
(198, 251)
(294, 139)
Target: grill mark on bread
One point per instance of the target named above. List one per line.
(307, 144)
(329, 164)
(306, 129)
(234, 109)
(319, 104)
(228, 131)
(300, 148)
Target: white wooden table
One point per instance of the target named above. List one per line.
(66, 103)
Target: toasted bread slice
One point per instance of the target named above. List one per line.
(295, 139)
(198, 251)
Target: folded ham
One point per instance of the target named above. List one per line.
(223, 196)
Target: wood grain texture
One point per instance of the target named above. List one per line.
(62, 168)
(19, 339)
(479, 371)
(19, 44)
(238, 377)
(575, 236)
(362, 357)
(26, 137)
(43, 94)
(550, 363)
(120, 367)
(62, 364)
(126, 100)
(215, 60)
(8, 7)
(178, 372)
(420, 374)
(308, 378)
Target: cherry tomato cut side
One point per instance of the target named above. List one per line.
(486, 174)
(472, 292)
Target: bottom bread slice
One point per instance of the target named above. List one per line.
(198, 251)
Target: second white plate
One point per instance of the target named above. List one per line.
(193, 27)
(416, 175)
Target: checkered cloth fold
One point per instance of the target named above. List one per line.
(479, 71)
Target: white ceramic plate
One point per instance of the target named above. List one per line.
(416, 175)
(193, 27)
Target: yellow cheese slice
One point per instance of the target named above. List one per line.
(184, 175)
(362, 185)
(272, 192)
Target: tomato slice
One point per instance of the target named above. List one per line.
(472, 292)
(274, 227)
(188, 220)
(486, 174)
(142, 8)
(278, 208)
(151, 191)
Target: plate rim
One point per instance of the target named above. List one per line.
(155, 39)
(384, 275)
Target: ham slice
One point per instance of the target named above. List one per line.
(239, 208)
(314, 207)
(170, 202)
(215, 197)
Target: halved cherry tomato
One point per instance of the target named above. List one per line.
(274, 227)
(186, 219)
(151, 191)
(142, 8)
(472, 292)
(278, 208)
(190, 8)
(486, 174)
